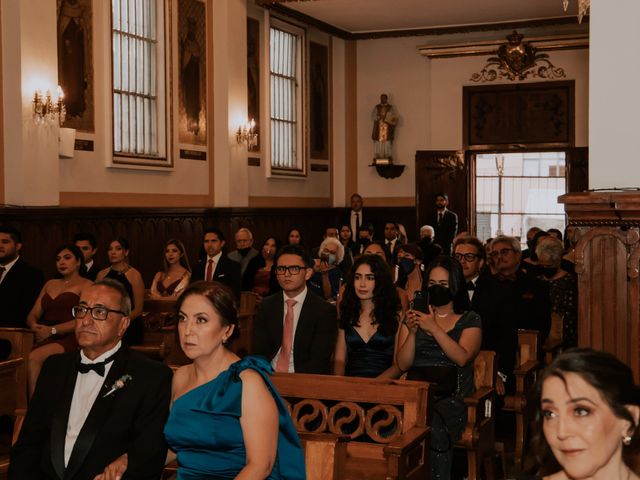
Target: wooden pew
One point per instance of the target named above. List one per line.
(13, 383)
(478, 437)
(246, 315)
(158, 320)
(525, 372)
(553, 344)
(382, 423)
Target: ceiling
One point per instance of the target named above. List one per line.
(359, 16)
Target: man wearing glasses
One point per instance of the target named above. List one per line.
(506, 302)
(469, 251)
(295, 329)
(100, 410)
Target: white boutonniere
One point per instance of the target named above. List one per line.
(119, 384)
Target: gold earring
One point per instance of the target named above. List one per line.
(626, 440)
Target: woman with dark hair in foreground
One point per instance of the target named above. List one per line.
(587, 417)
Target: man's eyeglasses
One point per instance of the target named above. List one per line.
(97, 313)
(502, 252)
(468, 257)
(292, 269)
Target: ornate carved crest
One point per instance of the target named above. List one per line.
(517, 60)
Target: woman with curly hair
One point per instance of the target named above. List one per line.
(369, 321)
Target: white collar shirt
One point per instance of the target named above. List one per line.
(297, 308)
(8, 267)
(88, 386)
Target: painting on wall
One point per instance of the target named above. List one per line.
(253, 73)
(192, 81)
(75, 62)
(318, 101)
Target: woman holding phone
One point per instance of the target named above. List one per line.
(439, 345)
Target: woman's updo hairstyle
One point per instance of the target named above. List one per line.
(613, 380)
(221, 299)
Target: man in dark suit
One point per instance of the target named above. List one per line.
(354, 216)
(217, 266)
(97, 410)
(20, 284)
(445, 223)
(87, 244)
(295, 330)
(391, 240)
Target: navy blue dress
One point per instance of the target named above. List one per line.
(368, 359)
(204, 429)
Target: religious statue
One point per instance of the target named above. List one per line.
(190, 70)
(72, 68)
(384, 124)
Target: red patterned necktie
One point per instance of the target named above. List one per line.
(282, 365)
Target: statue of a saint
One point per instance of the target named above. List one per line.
(384, 124)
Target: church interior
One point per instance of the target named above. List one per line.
(159, 119)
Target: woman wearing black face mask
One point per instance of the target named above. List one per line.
(440, 346)
(563, 287)
(410, 268)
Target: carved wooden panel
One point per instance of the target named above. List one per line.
(147, 229)
(529, 113)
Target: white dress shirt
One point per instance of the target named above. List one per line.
(296, 315)
(7, 267)
(88, 386)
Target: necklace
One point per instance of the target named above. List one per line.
(442, 315)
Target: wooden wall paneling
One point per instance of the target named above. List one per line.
(577, 161)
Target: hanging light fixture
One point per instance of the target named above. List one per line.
(583, 6)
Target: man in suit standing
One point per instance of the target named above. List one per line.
(20, 283)
(354, 216)
(101, 409)
(445, 223)
(391, 240)
(295, 330)
(216, 266)
(87, 244)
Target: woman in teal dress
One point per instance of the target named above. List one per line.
(226, 420)
(439, 346)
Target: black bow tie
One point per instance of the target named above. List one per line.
(96, 367)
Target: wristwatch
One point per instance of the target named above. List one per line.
(53, 331)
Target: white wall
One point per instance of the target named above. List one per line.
(427, 95)
(614, 124)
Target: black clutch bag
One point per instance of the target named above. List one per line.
(444, 378)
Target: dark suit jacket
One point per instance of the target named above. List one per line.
(92, 273)
(227, 272)
(446, 230)
(18, 292)
(315, 335)
(129, 420)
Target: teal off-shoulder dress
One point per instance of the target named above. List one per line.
(204, 429)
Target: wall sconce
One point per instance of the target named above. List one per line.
(247, 134)
(46, 111)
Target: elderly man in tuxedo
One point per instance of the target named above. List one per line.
(295, 329)
(99, 411)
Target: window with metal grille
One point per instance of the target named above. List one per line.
(285, 60)
(516, 191)
(138, 80)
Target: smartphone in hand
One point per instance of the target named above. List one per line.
(420, 301)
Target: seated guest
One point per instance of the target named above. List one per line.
(347, 241)
(131, 280)
(325, 282)
(295, 330)
(217, 266)
(530, 264)
(369, 321)
(409, 268)
(491, 257)
(260, 275)
(563, 288)
(87, 244)
(530, 234)
(226, 420)
(176, 274)
(586, 423)
(469, 251)
(376, 248)
(365, 236)
(19, 282)
(101, 409)
(244, 251)
(347, 259)
(294, 237)
(506, 302)
(440, 346)
(555, 233)
(391, 240)
(430, 250)
(51, 318)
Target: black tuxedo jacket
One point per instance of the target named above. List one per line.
(227, 272)
(130, 420)
(315, 335)
(445, 230)
(18, 292)
(92, 273)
